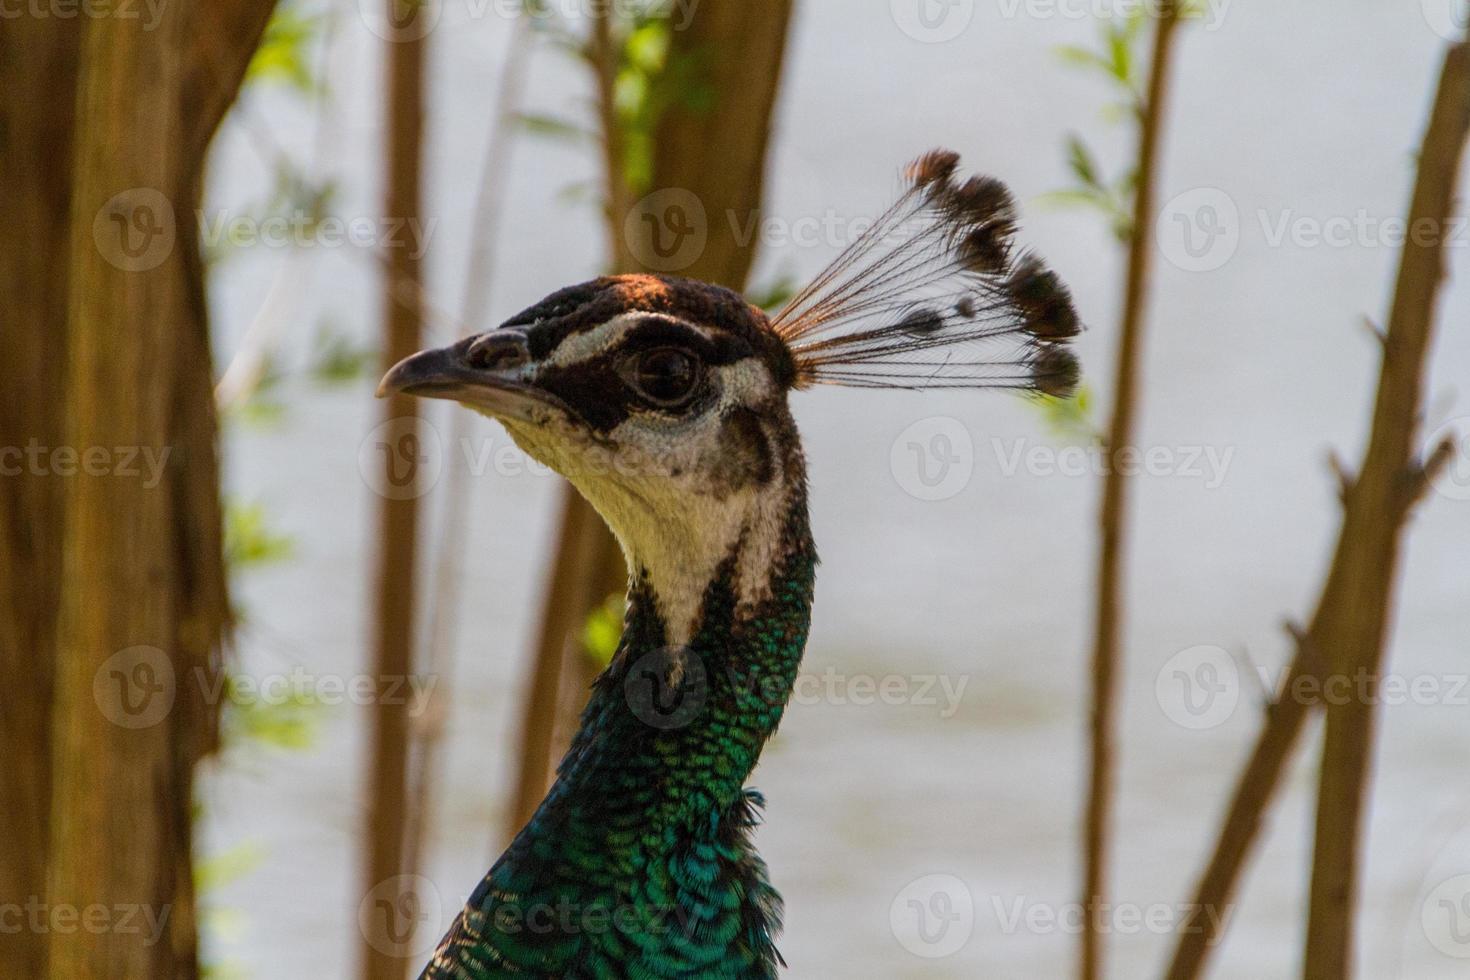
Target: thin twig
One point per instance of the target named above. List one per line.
(1114, 510)
(570, 567)
(602, 54)
(445, 592)
(395, 580)
(1355, 616)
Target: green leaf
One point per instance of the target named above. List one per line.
(260, 413)
(604, 630)
(1134, 21)
(249, 541)
(1075, 198)
(1120, 53)
(578, 192)
(288, 720)
(1070, 418)
(553, 127)
(1129, 110)
(1081, 161)
(775, 294)
(1123, 228)
(337, 358)
(647, 47)
(228, 866)
(284, 51)
(1080, 57)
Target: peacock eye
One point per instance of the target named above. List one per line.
(665, 376)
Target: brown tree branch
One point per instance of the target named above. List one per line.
(1113, 514)
(1347, 629)
(603, 56)
(118, 575)
(182, 96)
(1258, 782)
(38, 70)
(396, 582)
(736, 48)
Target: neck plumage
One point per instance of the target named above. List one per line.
(639, 861)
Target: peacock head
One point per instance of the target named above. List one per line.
(643, 390)
(664, 400)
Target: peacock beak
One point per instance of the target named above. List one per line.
(486, 372)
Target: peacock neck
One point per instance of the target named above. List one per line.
(681, 726)
(648, 823)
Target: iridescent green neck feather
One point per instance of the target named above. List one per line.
(639, 862)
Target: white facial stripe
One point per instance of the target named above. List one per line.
(589, 343)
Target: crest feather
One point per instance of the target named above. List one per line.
(934, 295)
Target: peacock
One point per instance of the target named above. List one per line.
(664, 402)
